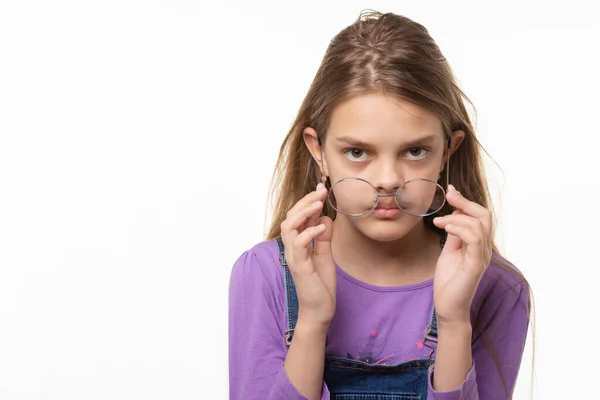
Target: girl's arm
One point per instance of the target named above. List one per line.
(497, 349)
(453, 358)
(257, 350)
(305, 361)
(503, 315)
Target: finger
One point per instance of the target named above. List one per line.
(457, 200)
(474, 224)
(473, 241)
(287, 233)
(293, 226)
(460, 219)
(319, 194)
(323, 242)
(312, 220)
(300, 245)
(295, 221)
(452, 242)
(307, 235)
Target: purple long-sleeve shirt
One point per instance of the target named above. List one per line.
(378, 325)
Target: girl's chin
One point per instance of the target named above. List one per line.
(386, 230)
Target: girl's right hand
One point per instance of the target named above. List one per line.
(314, 272)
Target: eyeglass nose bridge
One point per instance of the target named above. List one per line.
(385, 195)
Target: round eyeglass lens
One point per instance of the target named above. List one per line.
(420, 197)
(352, 196)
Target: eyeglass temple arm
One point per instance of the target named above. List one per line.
(324, 179)
(448, 162)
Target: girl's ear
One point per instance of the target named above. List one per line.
(314, 145)
(455, 140)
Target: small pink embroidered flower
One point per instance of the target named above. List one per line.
(420, 345)
(373, 334)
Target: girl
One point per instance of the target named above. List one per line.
(397, 290)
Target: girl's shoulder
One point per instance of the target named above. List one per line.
(265, 254)
(259, 265)
(257, 291)
(502, 281)
(503, 272)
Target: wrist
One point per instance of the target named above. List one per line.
(307, 327)
(454, 328)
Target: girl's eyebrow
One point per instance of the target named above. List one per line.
(358, 143)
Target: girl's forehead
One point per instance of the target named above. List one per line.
(382, 119)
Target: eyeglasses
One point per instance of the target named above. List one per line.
(355, 197)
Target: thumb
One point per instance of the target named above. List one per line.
(323, 257)
(452, 243)
(323, 241)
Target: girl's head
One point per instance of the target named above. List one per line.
(382, 105)
(390, 143)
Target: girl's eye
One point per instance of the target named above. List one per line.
(355, 154)
(416, 153)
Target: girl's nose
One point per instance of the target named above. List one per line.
(387, 177)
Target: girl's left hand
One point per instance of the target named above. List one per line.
(464, 258)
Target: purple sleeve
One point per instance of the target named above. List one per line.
(256, 324)
(497, 348)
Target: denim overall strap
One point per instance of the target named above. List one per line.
(291, 298)
(431, 333)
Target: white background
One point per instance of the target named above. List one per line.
(138, 138)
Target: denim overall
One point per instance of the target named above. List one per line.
(349, 379)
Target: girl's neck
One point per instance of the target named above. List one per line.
(408, 260)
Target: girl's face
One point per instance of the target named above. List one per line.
(385, 141)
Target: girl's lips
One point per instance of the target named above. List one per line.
(385, 212)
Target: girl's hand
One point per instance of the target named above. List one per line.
(313, 272)
(464, 259)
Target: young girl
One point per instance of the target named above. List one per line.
(379, 278)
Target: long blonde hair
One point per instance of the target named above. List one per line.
(391, 54)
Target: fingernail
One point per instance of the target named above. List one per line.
(318, 186)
